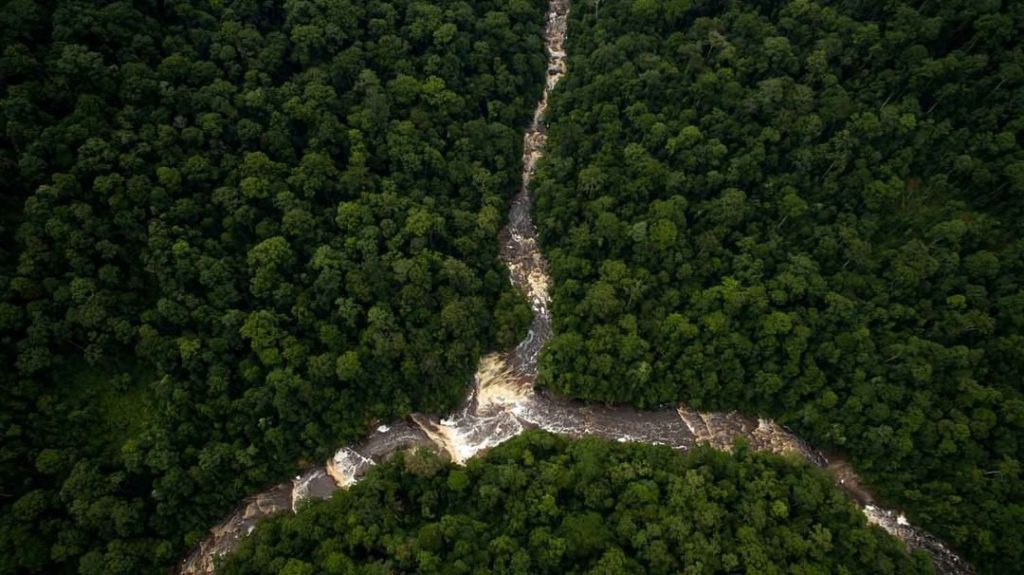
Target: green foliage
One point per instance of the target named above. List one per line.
(283, 214)
(809, 210)
(543, 504)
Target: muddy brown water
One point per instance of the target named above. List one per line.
(503, 403)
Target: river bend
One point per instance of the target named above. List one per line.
(503, 403)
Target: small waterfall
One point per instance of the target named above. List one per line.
(502, 402)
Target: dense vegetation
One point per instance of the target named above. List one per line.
(807, 209)
(233, 233)
(543, 504)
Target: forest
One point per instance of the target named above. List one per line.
(544, 504)
(808, 210)
(234, 233)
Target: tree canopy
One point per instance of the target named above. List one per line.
(543, 504)
(809, 210)
(233, 234)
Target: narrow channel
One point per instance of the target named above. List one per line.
(503, 403)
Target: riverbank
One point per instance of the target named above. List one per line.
(503, 403)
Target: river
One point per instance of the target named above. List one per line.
(503, 403)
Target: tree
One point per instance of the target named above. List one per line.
(645, 524)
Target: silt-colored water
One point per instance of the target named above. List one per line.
(503, 403)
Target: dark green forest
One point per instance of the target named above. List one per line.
(233, 234)
(810, 210)
(543, 504)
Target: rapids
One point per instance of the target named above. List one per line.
(503, 403)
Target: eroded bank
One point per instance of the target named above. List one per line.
(503, 403)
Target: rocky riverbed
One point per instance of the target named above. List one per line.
(503, 403)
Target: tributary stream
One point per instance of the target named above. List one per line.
(502, 402)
